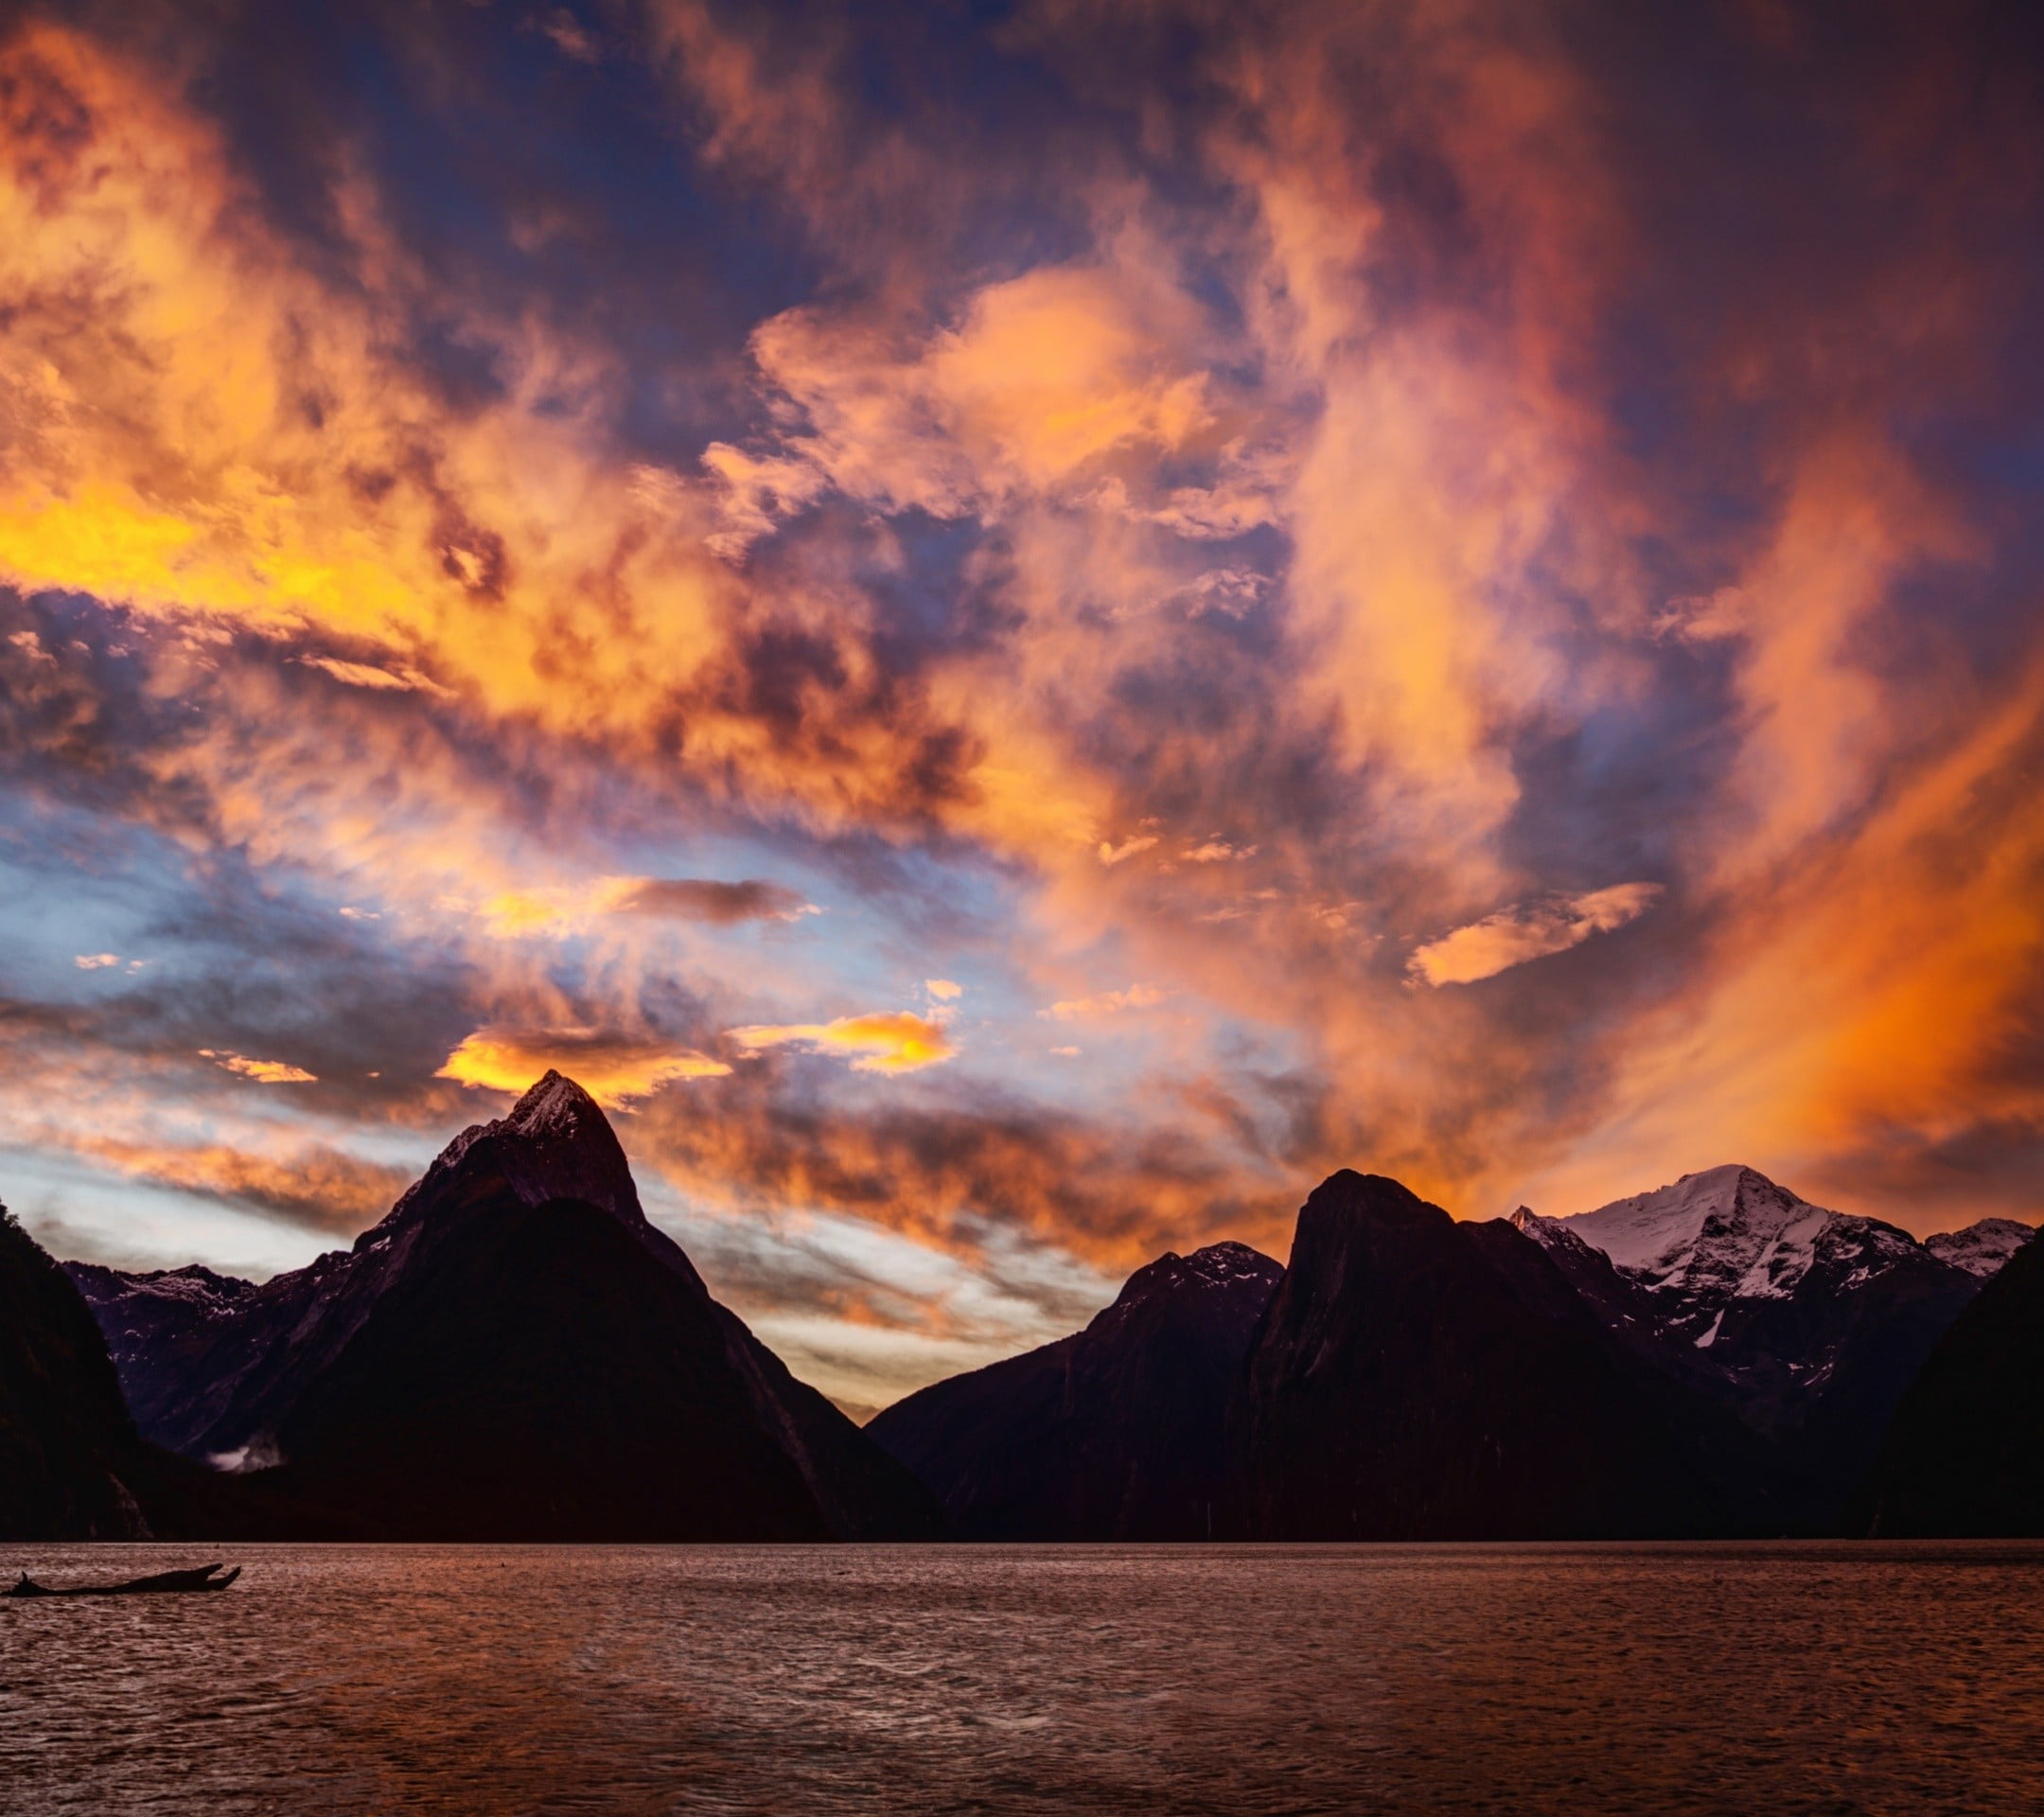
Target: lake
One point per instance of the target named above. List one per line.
(792, 1679)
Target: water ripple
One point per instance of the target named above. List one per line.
(1194, 1680)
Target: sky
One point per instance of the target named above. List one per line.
(1017, 629)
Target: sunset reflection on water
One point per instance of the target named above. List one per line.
(1024, 1680)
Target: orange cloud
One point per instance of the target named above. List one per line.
(265, 1072)
(895, 1041)
(613, 1070)
(319, 1187)
(1138, 997)
(1868, 1006)
(1512, 936)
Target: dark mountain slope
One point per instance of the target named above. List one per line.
(1115, 1433)
(1417, 1379)
(64, 1436)
(1965, 1456)
(319, 1370)
(539, 1381)
(72, 1466)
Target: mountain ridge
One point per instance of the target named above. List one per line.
(1117, 1432)
(1418, 1378)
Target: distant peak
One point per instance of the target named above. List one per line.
(1228, 1261)
(1218, 1265)
(1980, 1249)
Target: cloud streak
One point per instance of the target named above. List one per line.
(1527, 931)
(886, 1041)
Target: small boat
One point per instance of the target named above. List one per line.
(163, 1581)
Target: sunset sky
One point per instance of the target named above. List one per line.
(1017, 629)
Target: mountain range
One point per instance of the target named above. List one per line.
(516, 1353)
(1807, 1324)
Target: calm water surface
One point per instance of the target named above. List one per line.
(1067, 1680)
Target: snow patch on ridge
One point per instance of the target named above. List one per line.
(1980, 1249)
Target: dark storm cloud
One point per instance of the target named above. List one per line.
(707, 899)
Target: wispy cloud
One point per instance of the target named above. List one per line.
(317, 1188)
(1111, 854)
(1079, 1009)
(265, 1072)
(1529, 931)
(369, 675)
(709, 900)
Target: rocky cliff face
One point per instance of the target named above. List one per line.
(514, 1351)
(1115, 1433)
(1418, 1379)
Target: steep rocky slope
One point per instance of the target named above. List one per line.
(66, 1442)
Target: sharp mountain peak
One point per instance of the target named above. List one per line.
(555, 1143)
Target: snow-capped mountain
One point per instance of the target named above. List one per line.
(1810, 1322)
(1731, 1234)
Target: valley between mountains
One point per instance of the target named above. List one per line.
(516, 1353)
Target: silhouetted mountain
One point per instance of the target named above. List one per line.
(1418, 1379)
(514, 1352)
(1808, 1324)
(64, 1436)
(1964, 1457)
(1115, 1433)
